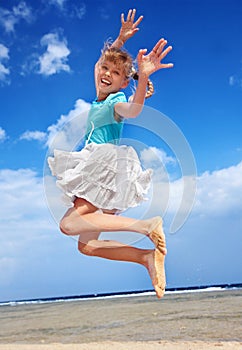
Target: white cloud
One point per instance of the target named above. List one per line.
(3, 135)
(79, 11)
(25, 224)
(235, 80)
(163, 165)
(232, 80)
(33, 135)
(22, 11)
(19, 190)
(9, 18)
(67, 133)
(208, 195)
(152, 155)
(104, 13)
(4, 56)
(4, 52)
(59, 3)
(165, 170)
(220, 192)
(68, 9)
(54, 60)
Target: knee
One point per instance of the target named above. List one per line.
(65, 227)
(86, 248)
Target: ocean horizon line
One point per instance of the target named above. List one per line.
(96, 296)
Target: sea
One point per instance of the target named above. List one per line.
(175, 290)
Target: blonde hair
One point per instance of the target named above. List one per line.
(118, 57)
(123, 58)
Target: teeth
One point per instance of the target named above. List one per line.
(105, 81)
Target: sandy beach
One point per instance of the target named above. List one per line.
(187, 321)
(129, 346)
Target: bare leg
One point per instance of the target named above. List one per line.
(83, 218)
(152, 260)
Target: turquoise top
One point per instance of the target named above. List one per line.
(101, 124)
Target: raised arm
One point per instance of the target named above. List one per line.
(147, 64)
(129, 28)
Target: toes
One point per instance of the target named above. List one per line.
(162, 249)
(159, 243)
(159, 292)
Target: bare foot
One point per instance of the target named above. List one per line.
(155, 265)
(157, 235)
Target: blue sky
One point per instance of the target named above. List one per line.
(47, 52)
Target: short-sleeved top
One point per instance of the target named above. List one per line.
(101, 124)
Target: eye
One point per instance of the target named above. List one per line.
(116, 72)
(104, 67)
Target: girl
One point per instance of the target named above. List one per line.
(105, 178)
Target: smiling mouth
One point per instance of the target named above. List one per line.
(105, 82)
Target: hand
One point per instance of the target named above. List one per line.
(129, 27)
(152, 62)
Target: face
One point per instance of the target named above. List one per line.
(110, 78)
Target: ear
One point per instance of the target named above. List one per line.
(125, 84)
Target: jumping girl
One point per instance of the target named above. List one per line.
(104, 178)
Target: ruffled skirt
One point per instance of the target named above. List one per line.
(106, 175)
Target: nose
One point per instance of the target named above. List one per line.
(107, 73)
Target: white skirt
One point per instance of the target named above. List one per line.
(106, 175)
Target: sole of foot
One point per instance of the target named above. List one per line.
(159, 282)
